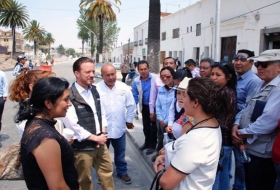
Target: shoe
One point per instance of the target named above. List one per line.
(154, 157)
(125, 178)
(98, 181)
(143, 147)
(150, 151)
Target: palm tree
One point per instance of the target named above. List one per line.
(49, 40)
(154, 35)
(34, 32)
(4, 4)
(100, 10)
(15, 15)
(84, 36)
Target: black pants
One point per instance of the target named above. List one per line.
(149, 128)
(124, 76)
(2, 103)
(260, 174)
(159, 136)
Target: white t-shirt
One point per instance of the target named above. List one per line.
(197, 154)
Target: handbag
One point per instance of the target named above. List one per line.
(156, 180)
(10, 167)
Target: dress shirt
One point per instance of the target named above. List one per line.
(71, 119)
(246, 84)
(3, 85)
(195, 72)
(119, 107)
(17, 69)
(267, 122)
(171, 114)
(163, 102)
(146, 87)
(155, 86)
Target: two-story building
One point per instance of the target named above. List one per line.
(6, 40)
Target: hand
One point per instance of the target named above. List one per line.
(236, 139)
(152, 117)
(159, 163)
(71, 140)
(161, 152)
(129, 125)
(101, 139)
(168, 129)
(162, 124)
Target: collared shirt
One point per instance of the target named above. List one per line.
(163, 102)
(195, 72)
(119, 107)
(71, 119)
(3, 85)
(267, 122)
(17, 69)
(246, 84)
(146, 87)
(156, 84)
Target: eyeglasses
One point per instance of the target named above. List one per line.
(165, 76)
(219, 64)
(204, 68)
(237, 57)
(263, 64)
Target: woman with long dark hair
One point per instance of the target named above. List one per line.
(46, 156)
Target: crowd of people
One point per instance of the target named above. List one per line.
(207, 113)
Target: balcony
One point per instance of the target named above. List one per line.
(146, 41)
(136, 43)
(140, 42)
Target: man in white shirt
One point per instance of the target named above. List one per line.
(120, 110)
(3, 94)
(87, 119)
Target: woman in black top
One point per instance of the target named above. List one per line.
(46, 156)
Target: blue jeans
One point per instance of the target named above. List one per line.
(222, 177)
(277, 169)
(239, 177)
(119, 153)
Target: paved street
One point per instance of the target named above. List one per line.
(138, 169)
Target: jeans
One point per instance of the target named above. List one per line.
(239, 177)
(2, 103)
(277, 169)
(149, 128)
(222, 177)
(119, 153)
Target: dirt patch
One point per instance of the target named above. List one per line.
(10, 63)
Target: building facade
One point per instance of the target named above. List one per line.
(6, 40)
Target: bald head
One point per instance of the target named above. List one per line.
(108, 73)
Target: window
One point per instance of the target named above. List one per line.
(191, 29)
(198, 29)
(187, 29)
(163, 36)
(175, 33)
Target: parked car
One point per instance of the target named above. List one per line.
(117, 65)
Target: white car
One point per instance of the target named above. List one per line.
(117, 65)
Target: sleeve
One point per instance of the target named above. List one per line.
(71, 121)
(159, 109)
(171, 114)
(153, 96)
(269, 119)
(16, 70)
(130, 106)
(103, 115)
(188, 156)
(5, 85)
(135, 92)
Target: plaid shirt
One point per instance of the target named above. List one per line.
(17, 69)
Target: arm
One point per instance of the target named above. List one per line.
(130, 106)
(153, 96)
(5, 87)
(171, 114)
(104, 118)
(48, 157)
(135, 93)
(16, 70)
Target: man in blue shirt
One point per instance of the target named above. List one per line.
(141, 92)
(246, 83)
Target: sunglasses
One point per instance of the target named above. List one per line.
(237, 57)
(219, 64)
(165, 76)
(263, 64)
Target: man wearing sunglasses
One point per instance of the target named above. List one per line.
(246, 83)
(256, 124)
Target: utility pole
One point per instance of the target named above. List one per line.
(128, 50)
(217, 31)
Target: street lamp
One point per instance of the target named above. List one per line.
(128, 50)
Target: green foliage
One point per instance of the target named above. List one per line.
(60, 49)
(70, 51)
(49, 56)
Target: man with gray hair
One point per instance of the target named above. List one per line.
(205, 67)
(256, 124)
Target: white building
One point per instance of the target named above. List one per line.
(189, 33)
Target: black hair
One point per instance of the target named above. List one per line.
(180, 74)
(50, 88)
(248, 52)
(169, 69)
(229, 72)
(77, 64)
(207, 59)
(142, 62)
(169, 58)
(190, 62)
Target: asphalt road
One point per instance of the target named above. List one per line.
(138, 170)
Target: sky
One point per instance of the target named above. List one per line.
(59, 17)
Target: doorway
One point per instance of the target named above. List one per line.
(228, 48)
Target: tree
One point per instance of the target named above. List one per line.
(34, 32)
(15, 15)
(60, 49)
(49, 40)
(4, 4)
(154, 35)
(100, 10)
(70, 51)
(110, 34)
